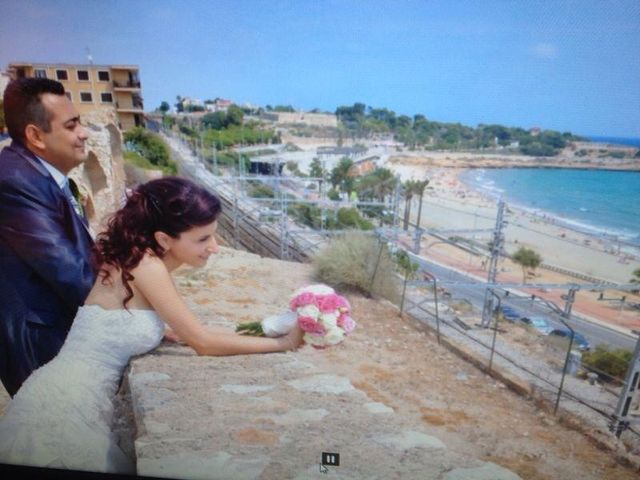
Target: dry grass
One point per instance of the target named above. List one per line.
(349, 262)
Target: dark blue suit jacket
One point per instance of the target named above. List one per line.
(46, 270)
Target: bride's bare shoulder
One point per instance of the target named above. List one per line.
(150, 263)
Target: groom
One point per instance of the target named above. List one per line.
(45, 245)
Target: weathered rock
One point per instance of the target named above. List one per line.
(101, 178)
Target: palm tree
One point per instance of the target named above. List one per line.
(385, 184)
(409, 190)
(419, 190)
(340, 178)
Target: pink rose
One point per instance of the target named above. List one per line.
(343, 304)
(346, 323)
(328, 303)
(305, 298)
(309, 325)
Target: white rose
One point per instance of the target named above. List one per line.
(329, 319)
(334, 336)
(314, 340)
(309, 311)
(317, 289)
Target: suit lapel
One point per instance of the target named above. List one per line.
(31, 159)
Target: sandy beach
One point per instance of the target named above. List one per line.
(452, 208)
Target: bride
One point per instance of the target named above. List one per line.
(61, 416)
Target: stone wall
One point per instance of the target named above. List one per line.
(102, 177)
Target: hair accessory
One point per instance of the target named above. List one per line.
(154, 202)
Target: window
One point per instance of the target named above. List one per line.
(103, 76)
(86, 97)
(83, 75)
(40, 73)
(68, 94)
(106, 97)
(62, 75)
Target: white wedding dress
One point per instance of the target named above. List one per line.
(61, 416)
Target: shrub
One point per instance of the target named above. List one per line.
(349, 262)
(150, 146)
(333, 194)
(261, 190)
(139, 161)
(537, 149)
(350, 218)
(404, 264)
(612, 362)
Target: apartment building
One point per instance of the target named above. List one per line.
(92, 87)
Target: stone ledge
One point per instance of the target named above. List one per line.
(272, 416)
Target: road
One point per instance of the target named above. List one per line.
(462, 286)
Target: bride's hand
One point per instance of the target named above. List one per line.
(294, 338)
(171, 336)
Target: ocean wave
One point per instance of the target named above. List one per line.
(608, 233)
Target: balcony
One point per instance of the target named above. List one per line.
(134, 107)
(127, 86)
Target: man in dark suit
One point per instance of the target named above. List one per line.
(46, 270)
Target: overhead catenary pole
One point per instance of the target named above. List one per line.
(621, 418)
(496, 248)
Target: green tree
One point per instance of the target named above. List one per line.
(419, 188)
(315, 168)
(235, 115)
(376, 185)
(149, 145)
(406, 266)
(340, 178)
(292, 166)
(636, 276)
(527, 258)
(179, 107)
(215, 120)
(283, 108)
(409, 188)
(164, 108)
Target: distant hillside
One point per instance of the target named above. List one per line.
(362, 121)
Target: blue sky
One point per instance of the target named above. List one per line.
(563, 65)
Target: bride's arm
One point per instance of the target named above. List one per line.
(154, 282)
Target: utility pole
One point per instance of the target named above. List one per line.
(569, 299)
(496, 248)
(621, 419)
(396, 202)
(417, 237)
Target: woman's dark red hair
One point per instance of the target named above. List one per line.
(171, 205)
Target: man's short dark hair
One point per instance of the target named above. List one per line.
(23, 104)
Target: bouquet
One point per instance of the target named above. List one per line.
(322, 314)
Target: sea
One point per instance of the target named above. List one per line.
(603, 203)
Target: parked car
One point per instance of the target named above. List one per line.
(539, 323)
(578, 339)
(509, 313)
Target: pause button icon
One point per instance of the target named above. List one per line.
(332, 459)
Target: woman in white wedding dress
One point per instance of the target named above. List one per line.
(61, 416)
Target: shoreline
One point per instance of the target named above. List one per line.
(618, 238)
(450, 204)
